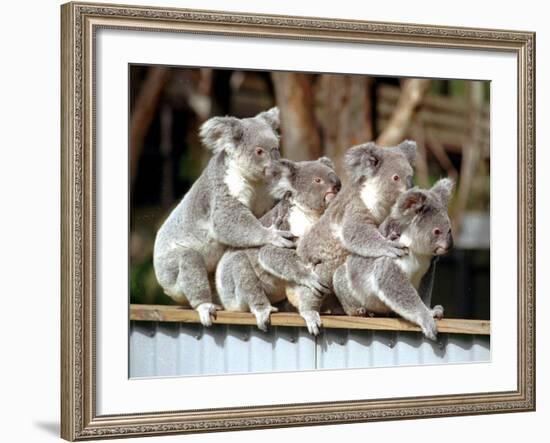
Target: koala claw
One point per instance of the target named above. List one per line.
(262, 316)
(437, 312)
(283, 239)
(395, 250)
(361, 312)
(207, 311)
(314, 283)
(398, 249)
(313, 321)
(429, 329)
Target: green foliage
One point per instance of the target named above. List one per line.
(457, 88)
(144, 288)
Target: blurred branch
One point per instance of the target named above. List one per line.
(439, 152)
(293, 93)
(471, 154)
(143, 112)
(344, 113)
(413, 91)
(419, 136)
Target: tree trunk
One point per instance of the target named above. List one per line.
(412, 94)
(345, 115)
(300, 138)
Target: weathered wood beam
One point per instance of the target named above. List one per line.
(178, 314)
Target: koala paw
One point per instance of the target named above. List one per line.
(396, 250)
(262, 316)
(437, 312)
(313, 282)
(283, 239)
(429, 328)
(207, 312)
(361, 312)
(313, 321)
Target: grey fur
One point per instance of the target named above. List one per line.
(220, 209)
(350, 224)
(252, 279)
(402, 285)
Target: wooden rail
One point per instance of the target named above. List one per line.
(183, 315)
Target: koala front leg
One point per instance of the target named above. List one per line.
(286, 265)
(393, 288)
(234, 225)
(425, 290)
(192, 284)
(365, 239)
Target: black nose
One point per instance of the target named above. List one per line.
(337, 186)
(409, 182)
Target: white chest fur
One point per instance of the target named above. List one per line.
(414, 266)
(300, 221)
(252, 194)
(372, 200)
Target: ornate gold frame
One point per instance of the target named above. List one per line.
(79, 23)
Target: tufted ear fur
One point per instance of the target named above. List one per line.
(271, 117)
(443, 189)
(327, 162)
(288, 167)
(221, 133)
(362, 160)
(412, 201)
(408, 147)
(282, 182)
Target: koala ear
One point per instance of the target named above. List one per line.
(327, 162)
(221, 133)
(271, 117)
(288, 167)
(408, 147)
(443, 190)
(282, 181)
(362, 160)
(412, 201)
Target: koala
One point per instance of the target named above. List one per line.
(221, 209)
(402, 285)
(254, 278)
(377, 176)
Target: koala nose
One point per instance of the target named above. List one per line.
(409, 182)
(337, 186)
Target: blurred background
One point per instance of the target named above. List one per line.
(321, 114)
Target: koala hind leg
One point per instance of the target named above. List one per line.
(192, 285)
(308, 305)
(286, 265)
(344, 294)
(249, 290)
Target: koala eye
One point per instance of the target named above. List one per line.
(259, 151)
(437, 231)
(318, 180)
(395, 178)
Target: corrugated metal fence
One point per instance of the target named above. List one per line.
(174, 349)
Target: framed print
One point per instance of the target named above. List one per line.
(284, 221)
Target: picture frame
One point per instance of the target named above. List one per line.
(80, 23)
